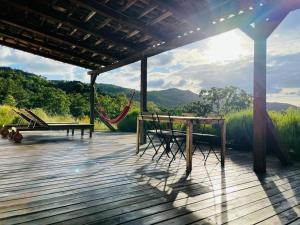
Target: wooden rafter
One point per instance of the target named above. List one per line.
(46, 34)
(121, 18)
(61, 18)
(44, 45)
(229, 24)
(44, 54)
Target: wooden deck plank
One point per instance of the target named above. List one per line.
(57, 179)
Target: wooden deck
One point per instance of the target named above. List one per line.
(68, 180)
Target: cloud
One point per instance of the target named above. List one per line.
(39, 65)
(157, 83)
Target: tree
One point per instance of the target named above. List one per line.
(9, 100)
(220, 101)
(79, 105)
(53, 101)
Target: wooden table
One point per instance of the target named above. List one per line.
(190, 122)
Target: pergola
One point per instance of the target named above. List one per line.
(102, 35)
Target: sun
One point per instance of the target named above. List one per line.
(226, 47)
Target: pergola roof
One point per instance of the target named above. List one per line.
(106, 34)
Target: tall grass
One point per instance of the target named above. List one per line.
(239, 128)
(7, 116)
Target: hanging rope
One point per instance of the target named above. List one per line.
(103, 115)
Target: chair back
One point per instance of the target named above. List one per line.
(169, 122)
(153, 123)
(36, 118)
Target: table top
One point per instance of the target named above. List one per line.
(183, 118)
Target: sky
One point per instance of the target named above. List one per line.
(220, 61)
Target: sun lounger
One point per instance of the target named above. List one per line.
(35, 123)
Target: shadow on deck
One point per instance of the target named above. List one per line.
(67, 180)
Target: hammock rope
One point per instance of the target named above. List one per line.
(103, 115)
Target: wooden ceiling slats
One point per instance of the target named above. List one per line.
(52, 15)
(121, 18)
(44, 45)
(24, 48)
(54, 36)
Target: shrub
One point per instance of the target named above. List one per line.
(240, 134)
(128, 124)
(239, 129)
(6, 115)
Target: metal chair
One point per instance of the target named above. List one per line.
(152, 134)
(202, 139)
(170, 137)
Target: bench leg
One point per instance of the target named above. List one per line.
(91, 133)
(72, 132)
(68, 132)
(82, 132)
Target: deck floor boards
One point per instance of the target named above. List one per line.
(57, 179)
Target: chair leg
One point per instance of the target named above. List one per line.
(150, 143)
(166, 151)
(91, 133)
(211, 149)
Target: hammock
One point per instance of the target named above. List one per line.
(103, 115)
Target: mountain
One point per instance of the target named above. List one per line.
(23, 85)
(168, 98)
(277, 106)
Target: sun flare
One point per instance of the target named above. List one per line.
(226, 47)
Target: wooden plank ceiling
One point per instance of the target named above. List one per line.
(105, 34)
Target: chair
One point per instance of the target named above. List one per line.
(151, 133)
(35, 123)
(170, 138)
(202, 139)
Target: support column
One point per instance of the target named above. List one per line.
(143, 96)
(92, 100)
(260, 32)
(259, 106)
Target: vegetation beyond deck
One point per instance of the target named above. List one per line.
(67, 180)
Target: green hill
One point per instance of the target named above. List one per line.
(30, 90)
(168, 98)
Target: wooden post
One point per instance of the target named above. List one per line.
(92, 100)
(259, 33)
(143, 97)
(189, 146)
(259, 106)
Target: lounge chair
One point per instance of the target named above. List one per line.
(35, 123)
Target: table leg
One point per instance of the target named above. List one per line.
(189, 146)
(137, 136)
(223, 142)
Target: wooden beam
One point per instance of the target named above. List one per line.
(270, 22)
(229, 24)
(143, 97)
(60, 17)
(121, 18)
(46, 34)
(262, 128)
(259, 106)
(65, 52)
(44, 54)
(178, 14)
